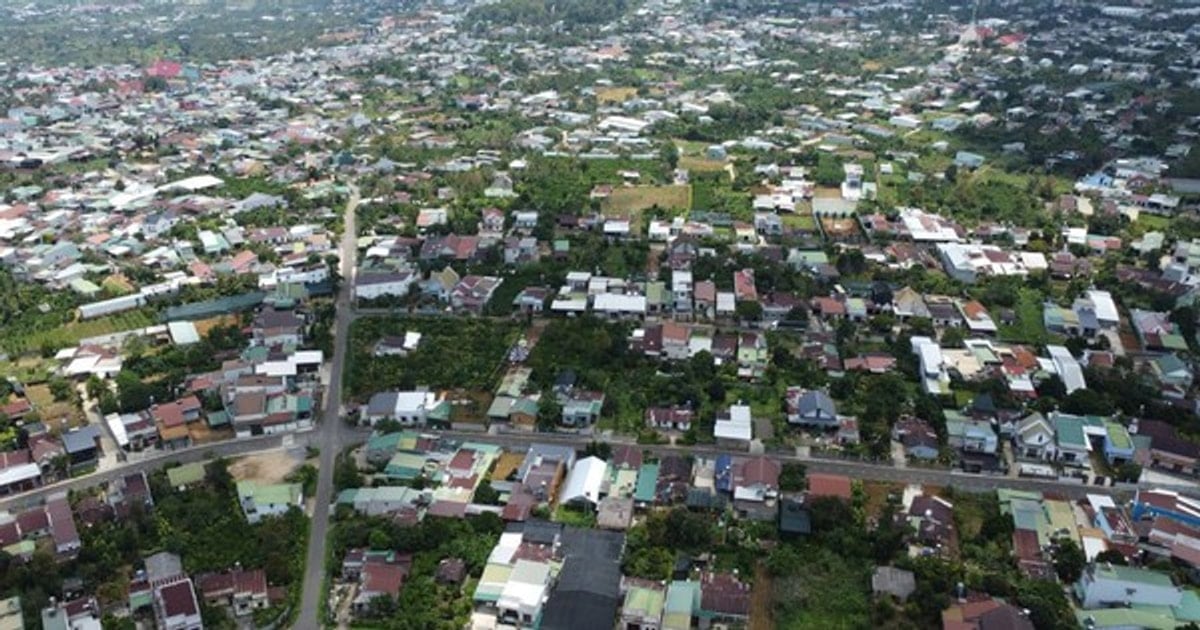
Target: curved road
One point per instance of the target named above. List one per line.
(332, 432)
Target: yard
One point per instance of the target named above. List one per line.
(1029, 326)
(452, 353)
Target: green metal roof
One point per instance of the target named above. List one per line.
(1125, 618)
(186, 474)
(645, 600)
(647, 483)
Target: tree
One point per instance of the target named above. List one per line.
(60, 388)
(603, 450)
(793, 477)
(549, 412)
(953, 337)
(485, 494)
(1129, 472)
(1068, 561)
(1111, 556)
(748, 311)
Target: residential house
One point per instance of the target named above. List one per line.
(263, 500)
(677, 418)
(734, 427)
(810, 408)
(919, 439)
(1035, 439)
(240, 590)
(175, 606)
(1104, 585)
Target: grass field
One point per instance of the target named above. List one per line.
(634, 201)
(52, 411)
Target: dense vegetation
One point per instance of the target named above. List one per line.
(453, 353)
(424, 603)
(204, 525)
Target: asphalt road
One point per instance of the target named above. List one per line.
(332, 432)
(181, 456)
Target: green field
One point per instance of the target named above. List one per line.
(70, 334)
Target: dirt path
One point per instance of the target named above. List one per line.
(760, 601)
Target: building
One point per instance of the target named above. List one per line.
(408, 408)
(585, 484)
(1105, 585)
(175, 606)
(262, 500)
(810, 408)
(241, 591)
(734, 427)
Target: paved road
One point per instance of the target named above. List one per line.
(150, 463)
(332, 431)
(850, 468)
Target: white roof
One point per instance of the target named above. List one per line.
(725, 301)
(17, 474)
(618, 303)
(117, 426)
(504, 550)
(183, 333)
(413, 402)
(1067, 367)
(737, 427)
(525, 588)
(578, 305)
(1102, 303)
(585, 481)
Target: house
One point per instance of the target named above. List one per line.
(240, 590)
(1035, 439)
(381, 577)
(985, 614)
(585, 484)
(919, 439)
(1168, 449)
(582, 408)
(396, 345)
(18, 472)
(724, 598)
(810, 408)
(1104, 585)
(734, 427)
(261, 500)
(931, 519)
(407, 408)
(677, 418)
(643, 607)
(755, 487)
(472, 293)
(971, 435)
(82, 446)
(893, 582)
(175, 606)
(826, 485)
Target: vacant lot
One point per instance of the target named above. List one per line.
(270, 467)
(634, 201)
(615, 94)
(639, 198)
(700, 164)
